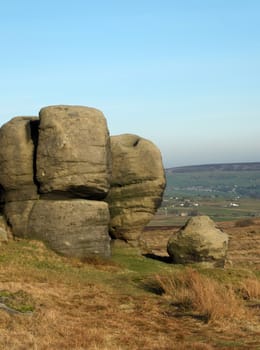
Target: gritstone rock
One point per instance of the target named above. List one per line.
(73, 154)
(137, 185)
(75, 227)
(56, 174)
(4, 230)
(17, 158)
(17, 214)
(199, 241)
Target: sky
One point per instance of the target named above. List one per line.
(184, 74)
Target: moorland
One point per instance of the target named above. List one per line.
(138, 299)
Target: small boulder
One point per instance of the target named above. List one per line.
(199, 241)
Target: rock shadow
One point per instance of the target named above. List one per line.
(165, 259)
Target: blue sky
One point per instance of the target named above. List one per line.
(184, 74)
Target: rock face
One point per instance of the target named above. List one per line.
(71, 227)
(73, 153)
(75, 227)
(17, 214)
(137, 185)
(17, 158)
(55, 177)
(4, 230)
(199, 241)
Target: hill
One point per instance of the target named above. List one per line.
(222, 191)
(216, 167)
(215, 180)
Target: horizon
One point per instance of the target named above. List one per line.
(184, 75)
(211, 164)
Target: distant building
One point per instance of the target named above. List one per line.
(234, 205)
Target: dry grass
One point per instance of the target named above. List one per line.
(250, 289)
(95, 305)
(202, 297)
(89, 318)
(244, 223)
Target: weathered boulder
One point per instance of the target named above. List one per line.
(17, 158)
(137, 185)
(73, 153)
(199, 241)
(75, 227)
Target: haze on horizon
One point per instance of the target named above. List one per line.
(184, 74)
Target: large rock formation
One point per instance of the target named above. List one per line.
(137, 185)
(199, 241)
(56, 174)
(73, 153)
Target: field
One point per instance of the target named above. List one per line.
(129, 302)
(214, 182)
(175, 212)
(138, 299)
(223, 192)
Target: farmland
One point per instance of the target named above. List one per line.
(224, 192)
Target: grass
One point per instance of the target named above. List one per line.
(100, 304)
(250, 289)
(201, 297)
(19, 301)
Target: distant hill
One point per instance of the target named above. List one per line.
(216, 167)
(214, 180)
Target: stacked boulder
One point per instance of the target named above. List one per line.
(137, 185)
(60, 175)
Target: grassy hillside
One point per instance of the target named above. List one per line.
(129, 303)
(137, 300)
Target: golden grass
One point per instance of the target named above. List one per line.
(250, 289)
(244, 223)
(97, 305)
(202, 297)
(86, 318)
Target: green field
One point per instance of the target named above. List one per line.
(221, 194)
(217, 183)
